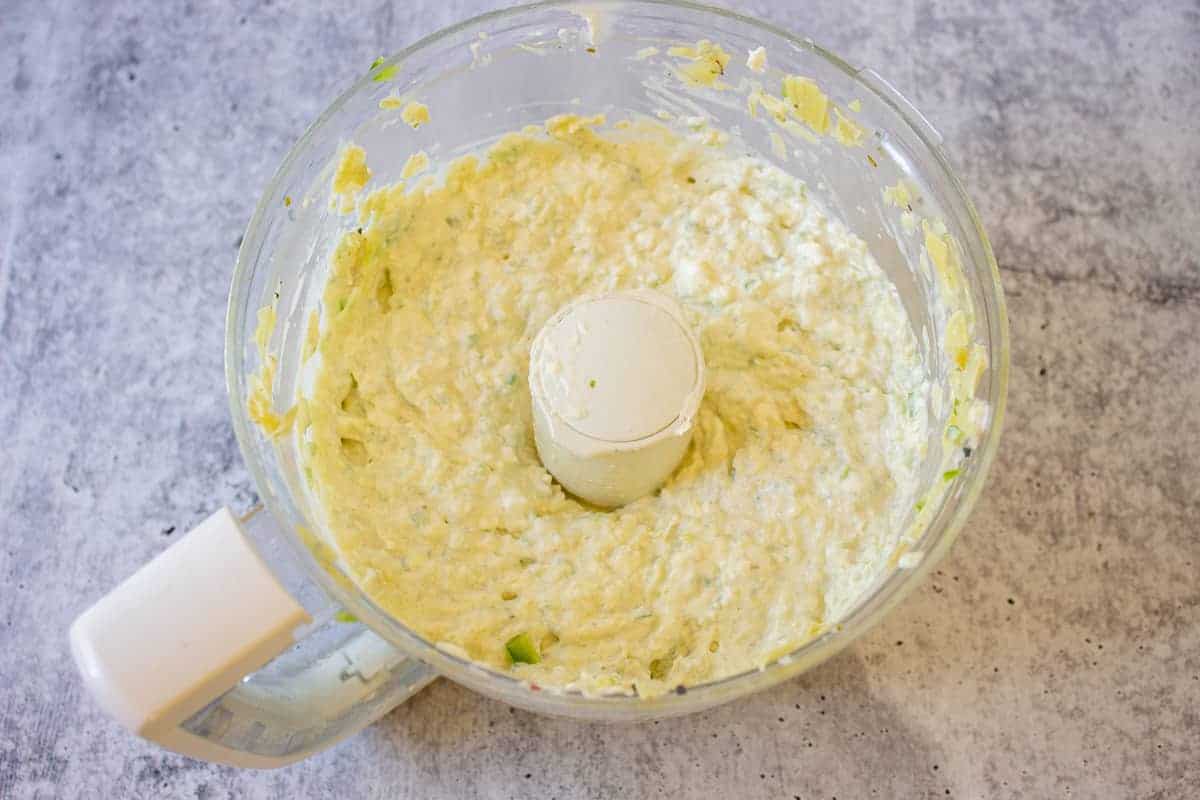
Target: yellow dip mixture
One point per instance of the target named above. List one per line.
(417, 431)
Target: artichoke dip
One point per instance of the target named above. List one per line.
(417, 428)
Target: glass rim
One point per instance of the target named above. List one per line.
(868, 611)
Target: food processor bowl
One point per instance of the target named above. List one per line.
(891, 183)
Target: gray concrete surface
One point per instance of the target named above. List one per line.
(1056, 653)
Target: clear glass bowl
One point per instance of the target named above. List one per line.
(502, 71)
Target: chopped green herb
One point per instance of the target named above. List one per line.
(386, 74)
(345, 616)
(375, 64)
(592, 383)
(522, 650)
(950, 474)
(512, 379)
(342, 304)
(920, 505)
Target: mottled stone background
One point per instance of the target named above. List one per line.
(1055, 653)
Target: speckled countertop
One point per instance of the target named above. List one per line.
(1055, 653)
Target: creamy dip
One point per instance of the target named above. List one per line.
(418, 437)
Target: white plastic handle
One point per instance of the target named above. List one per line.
(176, 652)
(181, 631)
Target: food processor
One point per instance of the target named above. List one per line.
(247, 642)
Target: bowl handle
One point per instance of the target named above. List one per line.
(177, 653)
